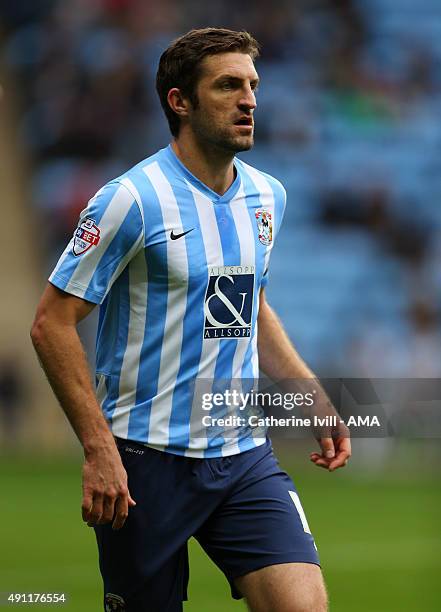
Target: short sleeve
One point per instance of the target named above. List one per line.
(109, 234)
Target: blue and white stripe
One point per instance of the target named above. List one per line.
(150, 344)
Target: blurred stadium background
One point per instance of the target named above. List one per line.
(348, 119)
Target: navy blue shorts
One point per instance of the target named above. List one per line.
(243, 510)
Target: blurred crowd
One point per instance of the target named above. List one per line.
(347, 119)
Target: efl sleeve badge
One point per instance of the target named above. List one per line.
(86, 236)
(265, 226)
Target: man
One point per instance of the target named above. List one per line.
(176, 251)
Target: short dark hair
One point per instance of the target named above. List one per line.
(179, 65)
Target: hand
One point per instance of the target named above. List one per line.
(336, 450)
(106, 496)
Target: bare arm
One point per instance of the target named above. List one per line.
(56, 341)
(280, 361)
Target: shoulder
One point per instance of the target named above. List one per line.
(263, 181)
(135, 179)
(134, 184)
(115, 205)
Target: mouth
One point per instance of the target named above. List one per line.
(245, 122)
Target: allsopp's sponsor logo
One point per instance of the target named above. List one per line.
(228, 306)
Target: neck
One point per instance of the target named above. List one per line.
(211, 166)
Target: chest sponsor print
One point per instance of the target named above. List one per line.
(228, 305)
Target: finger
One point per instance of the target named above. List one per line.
(332, 468)
(344, 444)
(121, 512)
(327, 446)
(315, 459)
(96, 510)
(86, 505)
(315, 456)
(108, 510)
(343, 453)
(340, 461)
(132, 502)
(321, 462)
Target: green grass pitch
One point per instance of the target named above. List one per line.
(378, 535)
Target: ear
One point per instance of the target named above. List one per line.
(178, 103)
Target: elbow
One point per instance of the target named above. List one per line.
(35, 333)
(38, 330)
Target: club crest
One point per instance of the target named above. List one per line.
(86, 236)
(265, 226)
(114, 603)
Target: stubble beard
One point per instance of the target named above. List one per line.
(220, 138)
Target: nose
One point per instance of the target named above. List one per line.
(248, 99)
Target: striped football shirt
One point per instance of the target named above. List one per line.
(177, 270)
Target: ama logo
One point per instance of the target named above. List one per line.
(228, 306)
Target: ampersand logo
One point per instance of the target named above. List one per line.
(228, 303)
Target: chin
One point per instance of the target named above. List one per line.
(245, 147)
(241, 144)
